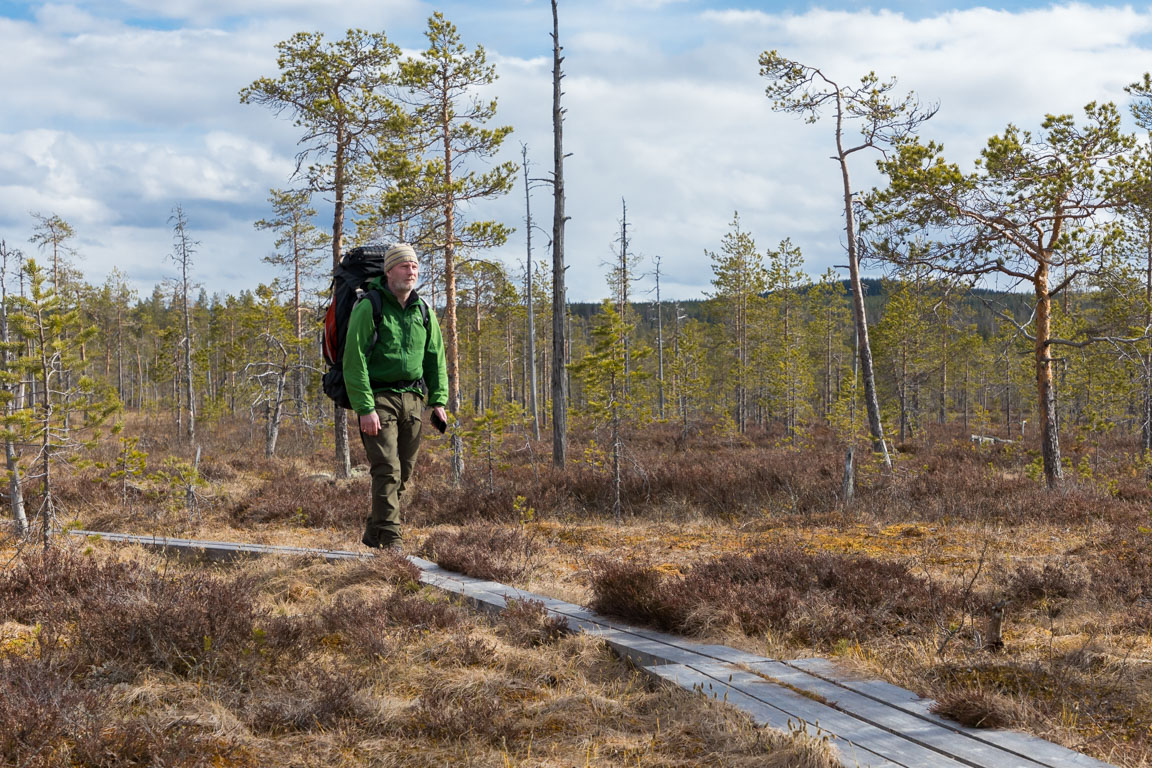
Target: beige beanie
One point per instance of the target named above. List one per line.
(398, 254)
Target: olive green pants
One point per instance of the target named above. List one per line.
(391, 455)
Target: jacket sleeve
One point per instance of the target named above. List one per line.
(356, 353)
(435, 368)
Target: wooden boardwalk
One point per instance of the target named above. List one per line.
(870, 722)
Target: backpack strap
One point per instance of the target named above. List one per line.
(424, 311)
(372, 295)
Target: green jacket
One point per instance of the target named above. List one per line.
(404, 351)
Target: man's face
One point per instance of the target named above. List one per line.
(402, 277)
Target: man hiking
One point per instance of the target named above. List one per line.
(384, 381)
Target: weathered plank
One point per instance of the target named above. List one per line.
(762, 712)
(941, 738)
(1012, 742)
(864, 736)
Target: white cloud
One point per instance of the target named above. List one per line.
(110, 124)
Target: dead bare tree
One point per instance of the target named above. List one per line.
(559, 301)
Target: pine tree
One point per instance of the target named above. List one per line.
(605, 375)
(334, 92)
(739, 280)
(54, 339)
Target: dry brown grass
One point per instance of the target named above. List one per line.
(743, 542)
(340, 665)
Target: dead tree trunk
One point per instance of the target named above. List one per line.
(559, 302)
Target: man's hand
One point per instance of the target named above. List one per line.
(370, 423)
(439, 419)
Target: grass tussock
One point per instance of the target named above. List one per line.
(526, 623)
(977, 708)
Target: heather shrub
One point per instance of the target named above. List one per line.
(78, 490)
(1054, 581)
(633, 591)
(1123, 569)
(449, 713)
(527, 623)
(310, 699)
(288, 497)
(286, 639)
(1139, 620)
(371, 626)
(384, 568)
(472, 504)
(461, 650)
(214, 470)
(420, 611)
(483, 552)
(99, 741)
(187, 623)
(817, 597)
(127, 613)
(44, 584)
(47, 720)
(38, 702)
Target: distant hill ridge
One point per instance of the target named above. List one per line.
(876, 292)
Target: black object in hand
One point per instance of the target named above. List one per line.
(438, 422)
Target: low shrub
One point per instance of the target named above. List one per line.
(372, 626)
(286, 496)
(815, 597)
(385, 568)
(129, 614)
(189, 623)
(311, 699)
(472, 504)
(483, 552)
(462, 650)
(634, 591)
(977, 708)
(47, 720)
(1123, 569)
(527, 623)
(1062, 580)
(38, 703)
(448, 713)
(45, 584)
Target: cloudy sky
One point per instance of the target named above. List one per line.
(115, 111)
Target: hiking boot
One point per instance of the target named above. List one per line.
(395, 546)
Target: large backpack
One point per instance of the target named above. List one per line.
(349, 287)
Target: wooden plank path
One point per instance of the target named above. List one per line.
(873, 724)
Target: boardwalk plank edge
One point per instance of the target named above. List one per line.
(871, 722)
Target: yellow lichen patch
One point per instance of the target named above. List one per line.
(16, 637)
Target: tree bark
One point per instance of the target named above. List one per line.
(15, 483)
(1146, 427)
(1045, 383)
(559, 302)
(530, 340)
(339, 418)
(875, 427)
